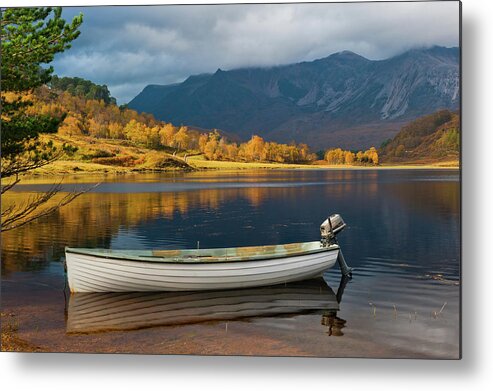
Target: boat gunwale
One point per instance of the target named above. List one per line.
(202, 260)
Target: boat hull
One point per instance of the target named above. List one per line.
(90, 273)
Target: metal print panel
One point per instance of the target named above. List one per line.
(262, 179)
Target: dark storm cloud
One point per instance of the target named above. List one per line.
(130, 47)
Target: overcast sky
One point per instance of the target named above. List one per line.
(127, 48)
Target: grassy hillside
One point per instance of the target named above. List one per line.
(430, 139)
(98, 132)
(88, 155)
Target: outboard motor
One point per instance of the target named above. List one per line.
(328, 230)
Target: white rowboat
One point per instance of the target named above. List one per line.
(107, 270)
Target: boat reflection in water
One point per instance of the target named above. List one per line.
(100, 312)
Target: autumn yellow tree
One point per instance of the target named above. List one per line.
(203, 139)
(335, 156)
(211, 148)
(348, 157)
(254, 148)
(115, 130)
(232, 151)
(96, 128)
(153, 137)
(167, 135)
(182, 138)
(71, 126)
(373, 155)
(135, 131)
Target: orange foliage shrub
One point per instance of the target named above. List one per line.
(125, 161)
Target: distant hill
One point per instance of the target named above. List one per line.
(80, 87)
(431, 138)
(343, 100)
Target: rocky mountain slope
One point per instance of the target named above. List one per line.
(342, 100)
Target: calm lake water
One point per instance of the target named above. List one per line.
(403, 239)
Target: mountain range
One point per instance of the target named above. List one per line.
(343, 100)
